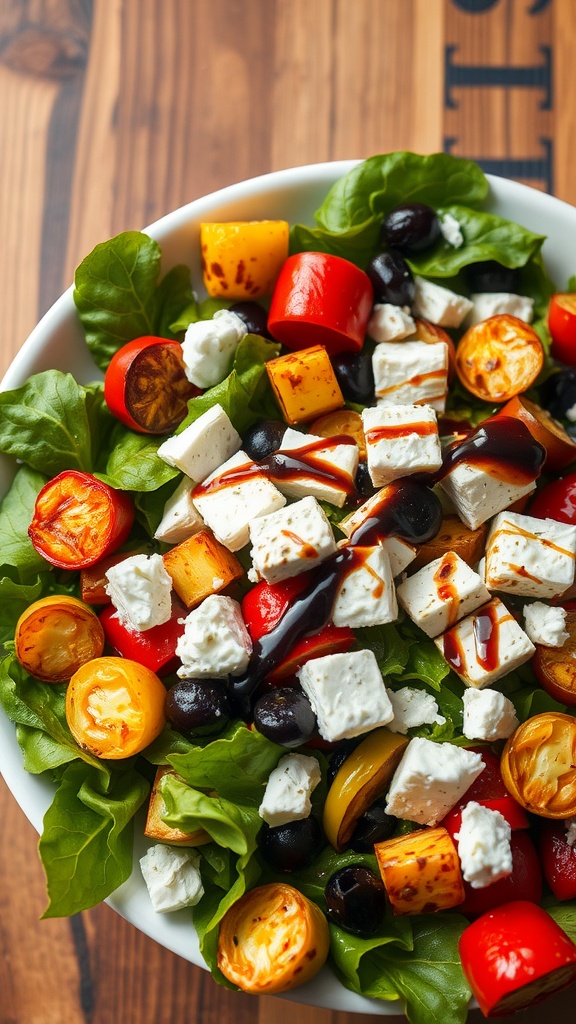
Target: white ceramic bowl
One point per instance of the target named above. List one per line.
(57, 342)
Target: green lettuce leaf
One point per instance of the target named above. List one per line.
(133, 463)
(172, 296)
(16, 510)
(45, 423)
(14, 599)
(86, 843)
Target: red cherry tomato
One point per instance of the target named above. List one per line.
(489, 790)
(556, 501)
(515, 956)
(154, 648)
(146, 387)
(78, 520)
(524, 883)
(321, 299)
(562, 324)
(558, 860)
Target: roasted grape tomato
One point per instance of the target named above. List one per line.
(524, 882)
(538, 765)
(55, 636)
(499, 357)
(272, 939)
(78, 520)
(562, 325)
(154, 648)
(115, 707)
(320, 299)
(514, 956)
(145, 386)
(558, 859)
(555, 667)
(556, 501)
(560, 447)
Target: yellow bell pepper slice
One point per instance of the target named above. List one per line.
(242, 259)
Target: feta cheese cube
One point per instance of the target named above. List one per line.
(430, 780)
(215, 641)
(400, 440)
(486, 645)
(347, 694)
(202, 446)
(400, 552)
(570, 824)
(484, 845)
(529, 556)
(288, 790)
(438, 304)
(141, 591)
(209, 347)
(451, 230)
(366, 595)
(488, 715)
(413, 708)
(414, 372)
(545, 624)
(441, 593)
(179, 519)
(390, 323)
(486, 304)
(290, 541)
(477, 495)
(172, 878)
(323, 469)
(231, 497)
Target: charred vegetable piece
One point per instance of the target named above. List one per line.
(560, 447)
(453, 535)
(146, 387)
(115, 707)
(538, 765)
(555, 667)
(363, 777)
(421, 871)
(355, 900)
(55, 636)
(157, 829)
(197, 563)
(499, 357)
(272, 939)
(242, 259)
(304, 384)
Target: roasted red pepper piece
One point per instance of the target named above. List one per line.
(558, 860)
(154, 648)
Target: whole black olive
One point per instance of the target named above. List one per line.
(409, 510)
(254, 316)
(391, 279)
(411, 227)
(490, 276)
(292, 846)
(198, 707)
(363, 481)
(355, 900)
(355, 376)
(558, 393)
(374, 826)
(263, 438)
(284, 716)
(339, 756)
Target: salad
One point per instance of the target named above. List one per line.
(291, 590)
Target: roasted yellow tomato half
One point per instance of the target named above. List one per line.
(55, 636)
(115, 707)
(538, 765)
(273, 939)
(242, 259)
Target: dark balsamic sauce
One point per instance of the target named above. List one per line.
(503, 447)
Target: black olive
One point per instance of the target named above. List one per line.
(355, 376)
(292, 846)
(409, 510)
(412, 227)
(490, 276)
(355, 900)
(558, 393)
(263, 438)
(254, 317)
(284, 716)
(363, 481)
(339, 756)
(391, 279)
(374, 826)
(198, 707)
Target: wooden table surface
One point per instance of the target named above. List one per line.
(114, 112)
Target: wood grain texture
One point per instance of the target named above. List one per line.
(114, 112)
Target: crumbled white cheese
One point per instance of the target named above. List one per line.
(451, 230)
(570, 824)
(215, 641)
(483, 845)
(209, 346)
(545, 624)
(488, 715)
(172, 877)
(412, 708)
(430, 780)
(289, 788)
(140, 590)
